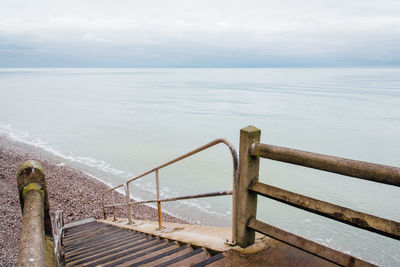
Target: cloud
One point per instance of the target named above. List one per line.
(201, 33)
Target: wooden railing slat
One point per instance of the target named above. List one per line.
(355, 218)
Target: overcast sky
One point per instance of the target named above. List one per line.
(184, 33)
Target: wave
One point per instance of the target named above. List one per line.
(24, 137)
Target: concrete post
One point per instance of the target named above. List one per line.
(246, 207)
(36, 246)
(31, 243)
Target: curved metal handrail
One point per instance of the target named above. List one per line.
(188, 154)
(195, 151)
(158, 200)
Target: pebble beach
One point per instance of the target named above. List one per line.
(69, 189)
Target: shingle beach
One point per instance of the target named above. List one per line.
(69, 189)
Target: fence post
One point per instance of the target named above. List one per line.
(113, 204)
(246, 207)
(104, 208)
(128, 204)
(36, 246)
(158, 202)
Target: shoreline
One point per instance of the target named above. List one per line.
(69, 189)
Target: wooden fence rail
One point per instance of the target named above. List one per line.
(249, 187)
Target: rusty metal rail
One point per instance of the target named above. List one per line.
(214, 194)
(159, 201)
(249, 187)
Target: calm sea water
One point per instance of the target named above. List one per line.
(118, 123)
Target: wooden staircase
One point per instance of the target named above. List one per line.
(99, 244)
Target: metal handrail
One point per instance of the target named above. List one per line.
(112, 200)
(213, 194)
(158, 200)
(195, 151)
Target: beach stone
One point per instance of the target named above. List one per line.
(69, 189)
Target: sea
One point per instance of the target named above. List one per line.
(117, 123)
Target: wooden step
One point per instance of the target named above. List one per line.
(119, 246)
(187, 259)
(119, 253)
(97, 244)
(152, 255)
(136, 253)
(126, 240)
(208, 261)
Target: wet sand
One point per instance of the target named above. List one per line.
(69, 189)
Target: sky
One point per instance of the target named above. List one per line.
(202, 33)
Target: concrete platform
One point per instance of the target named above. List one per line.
(265, 252)
(210, 237)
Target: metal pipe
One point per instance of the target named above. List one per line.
(144, 202)
(112, 195)
(113, 204)
(112, 189)
(128, 205)
(354, 168)
(140, 176)
(159, 215)
(195, 151)
(345, 215)
(158, 201)
(104, 207)
(214, 194)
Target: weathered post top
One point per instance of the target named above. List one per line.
(32, 172)
(251, 129)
